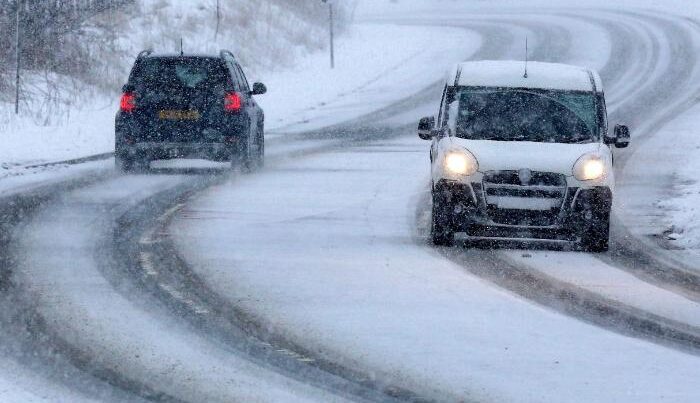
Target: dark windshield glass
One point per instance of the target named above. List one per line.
(179, 73)
(519, 115)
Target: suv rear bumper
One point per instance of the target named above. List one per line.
(472, 215)
(170, 150)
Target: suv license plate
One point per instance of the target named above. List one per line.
(178, 115)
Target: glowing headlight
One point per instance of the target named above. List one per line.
(461, 163)
(589, 167)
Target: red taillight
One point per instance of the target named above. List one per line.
(233, 102)
(128, 102)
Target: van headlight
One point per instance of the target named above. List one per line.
(461, 163)
(589, 167)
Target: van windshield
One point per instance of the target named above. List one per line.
(524, 115)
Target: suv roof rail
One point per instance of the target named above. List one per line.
(226, 52)
(145, 53)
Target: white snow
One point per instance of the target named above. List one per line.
(673, 158)
(27, 179)
(339, 269)
(376, 64)
(17, 384)
(117, 328)
(323, 249)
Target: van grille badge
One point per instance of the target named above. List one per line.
(525, 176)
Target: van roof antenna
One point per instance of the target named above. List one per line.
(526, 57)
(182, 49)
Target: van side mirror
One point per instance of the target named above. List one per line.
(426, 127)
(258, 89)
(622, 136)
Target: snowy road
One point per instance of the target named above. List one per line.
(196, 285)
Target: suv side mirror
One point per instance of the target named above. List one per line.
(622, 136)
(426, 127)
(259, 89)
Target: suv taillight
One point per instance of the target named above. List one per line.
(233, 102)
(128, 102)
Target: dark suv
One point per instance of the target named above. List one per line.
(183, 106)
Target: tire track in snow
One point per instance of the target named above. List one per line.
(185, 293)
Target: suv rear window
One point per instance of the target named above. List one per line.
(179, 73)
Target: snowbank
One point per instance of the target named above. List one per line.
(679, 207)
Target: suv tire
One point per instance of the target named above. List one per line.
(260, 154)
(240, 158)
(441, 231)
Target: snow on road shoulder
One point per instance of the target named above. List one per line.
(670, 208)
(376, 64)
(12, 183)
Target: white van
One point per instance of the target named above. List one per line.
(522, 155)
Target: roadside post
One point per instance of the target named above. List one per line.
(331, 30)
(17, 54)
(218, 19)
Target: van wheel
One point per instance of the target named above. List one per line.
(441, 231)
(596, 237)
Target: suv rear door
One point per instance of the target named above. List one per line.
(180, 99)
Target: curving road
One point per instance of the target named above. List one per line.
(194, 285)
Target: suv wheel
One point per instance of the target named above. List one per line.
(242, 159)
(596, 237)
(260, 154)
(441, 231)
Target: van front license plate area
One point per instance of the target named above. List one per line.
(525, 203)
(178, 115)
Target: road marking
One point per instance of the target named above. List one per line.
(146, 260)
(170, 212)
(153, 236)
(148, 237)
